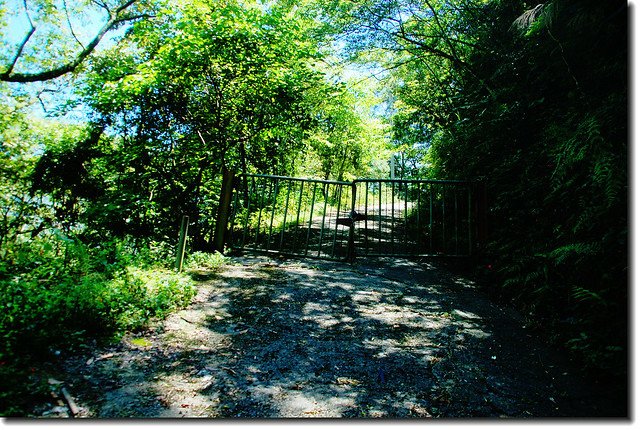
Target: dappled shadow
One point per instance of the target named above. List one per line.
(316, 344)
(384, 338)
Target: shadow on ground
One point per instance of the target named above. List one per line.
(388, 338)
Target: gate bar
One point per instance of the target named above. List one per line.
(260, 213)
(273, 212)
(393, 214)
(325, 194)
(286, 209)
(295, 237)
(431, 218)
(313, 200)
(351, 245)
(335, 231)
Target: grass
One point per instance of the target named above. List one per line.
(59, 293)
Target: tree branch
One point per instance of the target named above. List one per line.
(103, 5)
(66, 12)
(428, 48)
(114, 20)
(18, 52)
(24, 42)
(442, 30)
(437, 52)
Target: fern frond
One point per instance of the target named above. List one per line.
(584, 295)
(573, 252)
(526, 20)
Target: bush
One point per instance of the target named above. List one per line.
(205, 260)
(55, 292)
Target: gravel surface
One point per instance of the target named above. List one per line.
(269, 338)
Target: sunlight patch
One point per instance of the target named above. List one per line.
(464, 282)
(467, 315)
(366, 296)
(299, 404)
(477, 333)
(314, 308)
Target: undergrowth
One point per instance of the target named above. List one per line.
(57, 292)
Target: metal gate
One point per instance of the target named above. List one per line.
(291, 216)
(414, 218)
(343, 220)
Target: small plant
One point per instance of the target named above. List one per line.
(57, 291)
(205, 260)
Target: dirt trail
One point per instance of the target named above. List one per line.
(267, 338)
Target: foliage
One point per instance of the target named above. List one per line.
(56, 293)
(205, 260)
(200, 87)
(182, 91)
(533, 101)
(348, 139)
(55, 285)
(529, 98)
(52, 32)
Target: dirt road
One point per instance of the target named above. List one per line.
(267, 339)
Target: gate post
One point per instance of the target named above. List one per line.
(351, 252)
(224, 207)
(182, 242)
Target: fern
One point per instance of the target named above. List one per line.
(606, 172)
(585, 295)
(573, 253)
(525, 21)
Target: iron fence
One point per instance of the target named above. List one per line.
(414, 217)
(342, 220)
(291, 216)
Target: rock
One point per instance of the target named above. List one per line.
(59, 411)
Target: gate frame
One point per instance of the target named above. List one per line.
(475, 188)
(478, 206)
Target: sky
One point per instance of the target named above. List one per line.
(58, 27)
(85, 20)
(81, 19)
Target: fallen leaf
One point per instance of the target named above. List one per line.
(141, 342)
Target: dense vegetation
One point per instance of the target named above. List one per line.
(532, 100)
(137, 127)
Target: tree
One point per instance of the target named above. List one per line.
(348, 137)
(43, 54)
(16, 161)
(203, 87)
(532, 100)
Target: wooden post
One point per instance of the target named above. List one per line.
(224, 208)
(182, 243)
(73, 407)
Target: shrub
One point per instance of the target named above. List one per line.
(56, 291)
(205, 260)
(46, 297)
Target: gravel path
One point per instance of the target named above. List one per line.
(271, 338)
